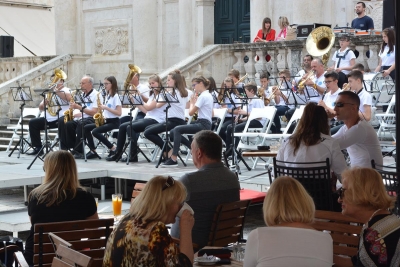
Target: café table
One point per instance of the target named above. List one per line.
(234, 263)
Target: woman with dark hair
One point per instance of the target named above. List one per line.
(111, 109)
(201, 102)
(141, 238)
(59, 198)
(176, 113)
(311, 141)
(387, 54)
(363, 196)
(266, 33)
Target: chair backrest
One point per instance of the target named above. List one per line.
(57, 241)
(125, 112)
(228, 223)
(87, 236)
(314, 176)
(6, 254)
(67, 257)
(266, 112)
(345, 232)
(391, 181)
(295, 118)
(220, 113)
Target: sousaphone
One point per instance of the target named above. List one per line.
(319, 43)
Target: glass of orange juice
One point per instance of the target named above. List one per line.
(117, 204)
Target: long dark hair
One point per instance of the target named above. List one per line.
(179, 82)
(265, 31)
(391, 40)
(114, 85)
(313, 122)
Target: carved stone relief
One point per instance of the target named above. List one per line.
(111, 41)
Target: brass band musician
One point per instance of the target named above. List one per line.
(281, 100)
(38, 124)
(314, 86)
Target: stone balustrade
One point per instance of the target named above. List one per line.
(213, 60)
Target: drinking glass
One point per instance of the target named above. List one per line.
(117, 205)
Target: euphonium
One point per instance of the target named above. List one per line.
(98, 117)
(133, 70)
(302, 82)
(242, 79)
(69, 114)
(52, 107)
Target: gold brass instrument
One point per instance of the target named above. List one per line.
(52, 108)
(242, 79)
(261, 95)
(98, 117)
(302, 82)
(347, 87)
(69, 114)
(319, 43)
(133, 70)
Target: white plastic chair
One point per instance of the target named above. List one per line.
(388, 120)
(220, 113)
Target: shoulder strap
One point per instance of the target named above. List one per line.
(340, 57)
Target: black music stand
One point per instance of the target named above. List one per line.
(21, 94)
(55, 101)
(82, 100)
(235, 153)
(167, 98)
(133, 99)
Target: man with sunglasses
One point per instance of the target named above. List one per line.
(356, 135)
(211, 185)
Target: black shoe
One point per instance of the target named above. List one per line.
(169, 163)
(116, 156)
(35, 151)
(134, 159)
(111, 153)
(78, 155)
(183, 152)
(92, 155)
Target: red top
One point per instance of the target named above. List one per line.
(270, 35)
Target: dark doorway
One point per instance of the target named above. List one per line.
(232, 21)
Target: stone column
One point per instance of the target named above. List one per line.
(205, 23)
(65, 13)
(296, 60)
(185, 28)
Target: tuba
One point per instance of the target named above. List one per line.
(98, 117)
(69, 114)
(133, 71)
(319, 43)
(52, 107)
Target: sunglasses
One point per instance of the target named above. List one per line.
(341, 192)
(170, 182)
(341, 104)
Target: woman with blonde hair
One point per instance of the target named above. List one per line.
(288, 210)
(283, 23)
(142, 239)
(59, 198)
(363, 196)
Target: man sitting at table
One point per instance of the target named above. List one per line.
(211, 185)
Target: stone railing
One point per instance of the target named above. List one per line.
(34, 73)
(253, 58)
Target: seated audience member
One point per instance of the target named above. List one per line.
(283, 23)
(211, 185)
(356, 135)
(141, 238)
(288, 210)
(328, 102)
(364, 197)
(311, 141)
(253, 102)
(60, 197)
(362, 22)
(356, 85)
(344, 60)
(266, 33)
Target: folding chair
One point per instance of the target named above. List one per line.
(219, 113)
(388, 120)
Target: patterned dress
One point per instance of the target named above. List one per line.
(137, 243)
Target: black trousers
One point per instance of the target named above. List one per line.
(152, 131)
(90, 130)
(70, 133)
(138, 126)
(35, 126)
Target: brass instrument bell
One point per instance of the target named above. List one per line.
(133, 70)
(319, 42)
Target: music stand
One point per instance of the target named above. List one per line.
(55, 100)
(234, 167)
(83, 100)
(165, 97)
(21, 94)
(132, 98)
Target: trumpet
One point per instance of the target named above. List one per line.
(302, 82)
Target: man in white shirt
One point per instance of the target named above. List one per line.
(357, 136)
(344, 59)
(329, 99)
(356, 84)
(315, 87)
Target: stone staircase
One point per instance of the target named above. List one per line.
(5, 135)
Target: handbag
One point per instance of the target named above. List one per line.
(9, 245)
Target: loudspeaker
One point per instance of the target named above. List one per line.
(388, 18)
(6, 46)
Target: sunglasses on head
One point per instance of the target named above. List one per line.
(170, 182)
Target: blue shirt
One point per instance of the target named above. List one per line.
(364, 23)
